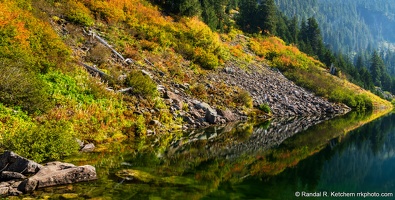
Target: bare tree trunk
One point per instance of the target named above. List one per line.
(94, 70)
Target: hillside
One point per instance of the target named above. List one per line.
(105, 70)
(348, 26)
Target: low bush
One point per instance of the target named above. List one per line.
(78, 13)
(199, 90)
(265, 108)
(19, 87)
(244, 98)
(99, 54)
(49, 141)
(141, 84)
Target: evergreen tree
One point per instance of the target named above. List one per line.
(209, 14)
(189, 7)
(366, 77)
(268, 16)
(360, 63)
(314, 37)
(293, 30)
(377, 69)
(247, 18)
(282, 29)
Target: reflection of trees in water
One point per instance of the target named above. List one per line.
(360, 163)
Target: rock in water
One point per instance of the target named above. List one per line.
(58, 173)
(135, 175)
(14, 168)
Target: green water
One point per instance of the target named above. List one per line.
(270, 160)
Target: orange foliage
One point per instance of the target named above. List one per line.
(11, 19)
(281, 55)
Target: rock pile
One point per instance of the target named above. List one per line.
(198, 114)
(285, 98)
(265, 85)
(20, 175)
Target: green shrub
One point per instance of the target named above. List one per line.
(49, 141)
(244, 98)
(206, 60)
(265, 108)
(19, 87)
(78, 13)
(141, 84)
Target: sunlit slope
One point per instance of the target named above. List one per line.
(313, 75)
(44, 89)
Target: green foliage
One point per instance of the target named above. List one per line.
(268, 16)
(206, 60)
(76, 12)
(49, 141)
(377, 69)
(247, 19)
(265, 108)
(21, 88)
(139, 124)
(141, 84)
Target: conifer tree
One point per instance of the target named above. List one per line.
(247, 18)
(293, 30)
(189, 7)
(267, 11)
(377, 69)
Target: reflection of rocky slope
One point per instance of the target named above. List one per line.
(222, 142)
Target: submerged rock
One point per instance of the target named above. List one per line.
(144, 177)
(135, 175)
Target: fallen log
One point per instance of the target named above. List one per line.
(125, 90)
(94, 70)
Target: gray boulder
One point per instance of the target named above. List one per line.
(211, 116)
(88, 147)
(228, 115)
(9, 161)
(7, 176)
(58, 173)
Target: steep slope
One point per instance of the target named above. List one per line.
(348, 26)
(151, 74)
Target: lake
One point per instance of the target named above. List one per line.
(281, 159)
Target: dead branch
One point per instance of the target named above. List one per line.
(125, 90)
(94, 70)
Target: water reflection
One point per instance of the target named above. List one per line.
(269, 160)
(235, 140)
(363, 162)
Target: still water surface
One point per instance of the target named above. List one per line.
(276, 160)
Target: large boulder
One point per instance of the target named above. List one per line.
(58, 173)
(211, 116)
(177, 101)
(9, 161)
(228, 115)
